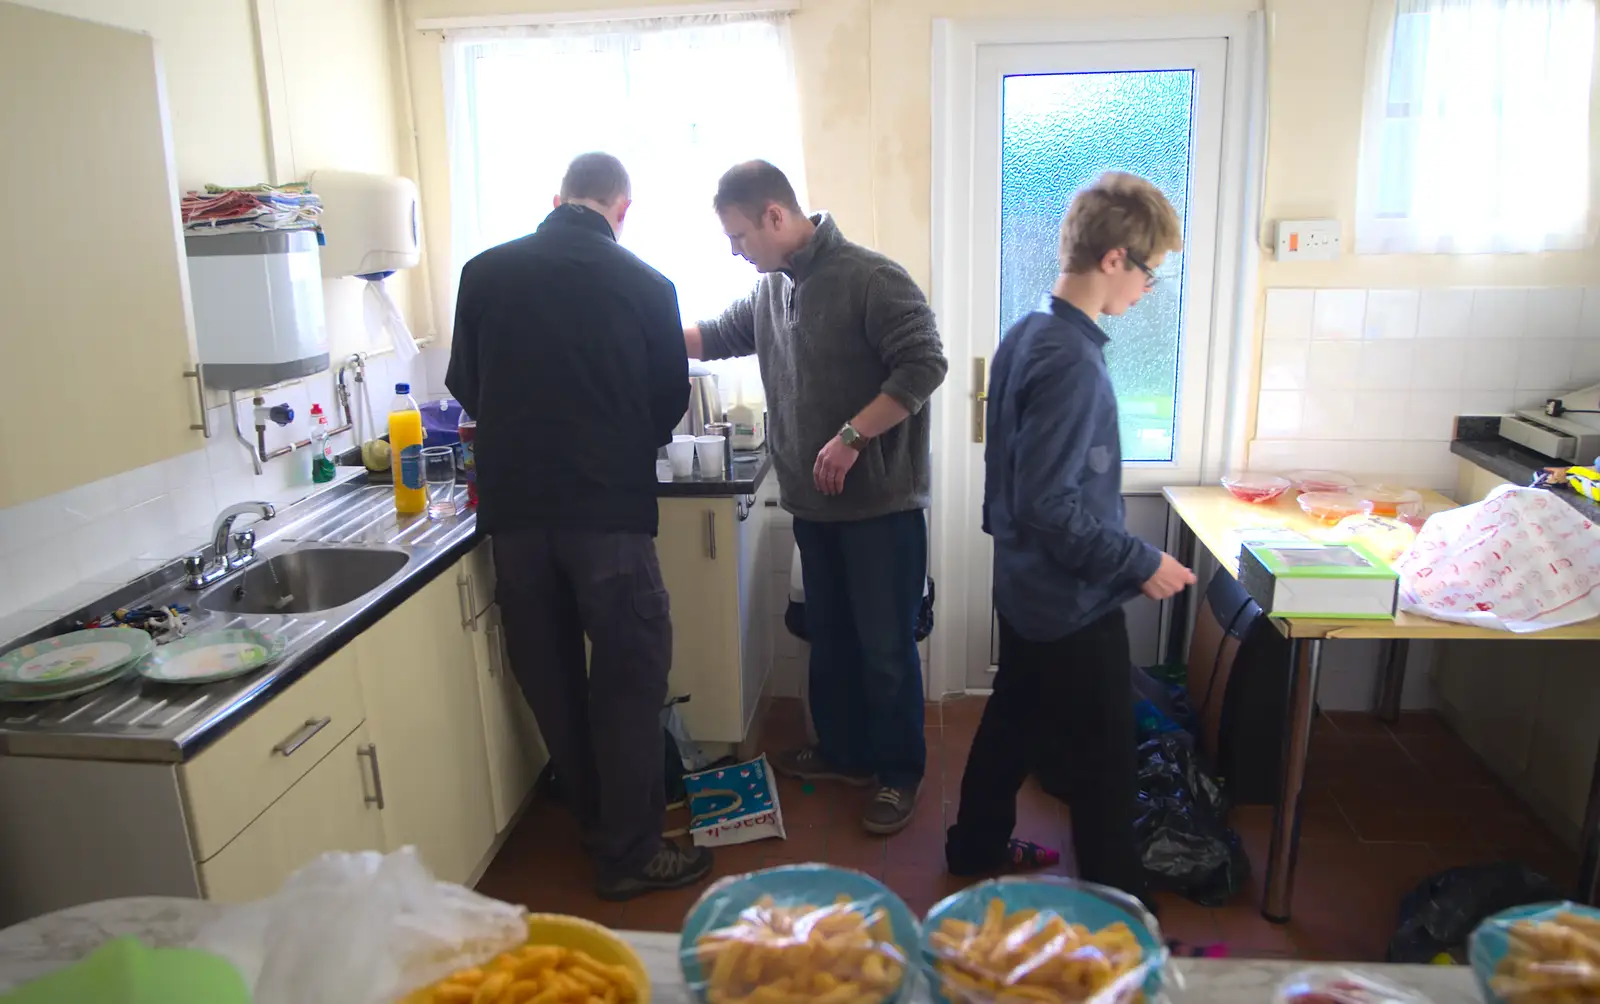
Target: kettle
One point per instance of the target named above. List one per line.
(705, 405)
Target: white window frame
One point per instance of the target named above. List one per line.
(1221, 405)
(1379, 234)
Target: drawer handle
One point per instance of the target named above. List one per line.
(494, 650)
(370, 751)
(711, 535)
(462, 585)
(302, 735)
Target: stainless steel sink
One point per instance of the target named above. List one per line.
(305, 580)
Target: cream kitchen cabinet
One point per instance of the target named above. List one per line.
(95, 302)
(419, 682)
(337, 806)
(516, 753)
(715, 561)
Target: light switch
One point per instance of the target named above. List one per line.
(1308, 240)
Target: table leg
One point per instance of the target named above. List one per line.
(1391, 680)
(1305, 662)
(1178, 626)
(1589, 843)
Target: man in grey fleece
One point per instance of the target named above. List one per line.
(849, 356)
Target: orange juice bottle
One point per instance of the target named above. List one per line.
(405, 446)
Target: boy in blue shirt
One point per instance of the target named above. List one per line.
(1064, 563)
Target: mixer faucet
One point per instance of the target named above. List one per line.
(229, 550)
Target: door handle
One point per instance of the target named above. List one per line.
(370, 751)
(711, 535)
(302, 735)
(462, 585)
(980, 396)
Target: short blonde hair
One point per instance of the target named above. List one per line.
(1119, 210)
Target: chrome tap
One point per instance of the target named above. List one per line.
(229, 550)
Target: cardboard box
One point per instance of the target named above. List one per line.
(1318, 580)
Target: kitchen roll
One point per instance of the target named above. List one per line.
(384, 319)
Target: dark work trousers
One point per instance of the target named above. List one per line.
(864, 581)
(1068, 702)
(601, 723)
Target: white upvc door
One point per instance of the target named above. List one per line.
(1044, 120)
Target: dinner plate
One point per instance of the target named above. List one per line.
(211, 656)
(78, 656)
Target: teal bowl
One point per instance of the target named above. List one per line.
(1093, 906)
(1489, 941)
(792, 885)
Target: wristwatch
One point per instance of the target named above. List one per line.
(851, 438)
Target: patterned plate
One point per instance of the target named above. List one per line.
(81, 655)
(11, 693)
(212, 656)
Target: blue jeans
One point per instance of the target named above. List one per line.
(864, 582)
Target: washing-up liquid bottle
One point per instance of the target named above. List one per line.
(322, 466)
(467, 429)
(405, 447)
(748, 416)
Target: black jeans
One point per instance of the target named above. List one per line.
(1064, 707)
(602, 720)
(864, 581)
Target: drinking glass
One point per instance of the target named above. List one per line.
(439, 477)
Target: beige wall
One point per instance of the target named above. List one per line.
(864, 71)
(320, 92)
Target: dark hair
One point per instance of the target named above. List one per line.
(599, 177)
(753, 186)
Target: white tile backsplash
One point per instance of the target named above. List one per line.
(1338, 313)
(1370, 381)
(112, 530)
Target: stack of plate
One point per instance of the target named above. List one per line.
(212, 656)
(71, 664)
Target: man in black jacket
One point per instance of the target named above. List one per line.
(569, 352)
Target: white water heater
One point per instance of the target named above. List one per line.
(257, 297)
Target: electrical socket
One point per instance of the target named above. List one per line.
(1308, 240)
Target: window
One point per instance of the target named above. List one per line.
(1476, 130)
(679, 100)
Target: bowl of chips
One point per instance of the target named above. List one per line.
(1546, 953)
(566, 960)
(801, 934)
(1042, 941)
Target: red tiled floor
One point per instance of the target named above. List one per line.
(1386, 806)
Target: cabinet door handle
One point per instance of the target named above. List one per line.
(463, 602)
(472, 603)
(370, 751)
(711, 535)
(302, 735)
(494, 650)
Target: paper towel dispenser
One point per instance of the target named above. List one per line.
(370, 222)
(257, 299)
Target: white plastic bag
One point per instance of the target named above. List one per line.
(1521, 560)
(362, 928)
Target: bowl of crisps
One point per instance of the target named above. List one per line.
(566, 960)
(1538, 953)
(801, 934)
(1045, 940)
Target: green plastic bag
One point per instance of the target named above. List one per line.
(125, 971)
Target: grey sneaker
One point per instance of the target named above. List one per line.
(673, 867)
(806, 764)
(891, 810)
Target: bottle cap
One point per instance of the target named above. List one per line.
(316, 409)
(402, 388)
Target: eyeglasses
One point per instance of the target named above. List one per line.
(1150, 278)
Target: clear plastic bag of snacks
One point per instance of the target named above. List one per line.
(1044, 941)
(1548, 953)
(806, 934)
(1342, 986)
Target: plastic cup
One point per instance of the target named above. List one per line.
(710, 450)
(680, 454)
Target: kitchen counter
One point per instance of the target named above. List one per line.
(39, 946)
(750, 470)
(1478, 442)
(138, 720)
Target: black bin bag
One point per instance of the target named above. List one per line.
(1184, 840)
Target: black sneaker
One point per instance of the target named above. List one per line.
(891, 810)
(807, 764)
(673, 867)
